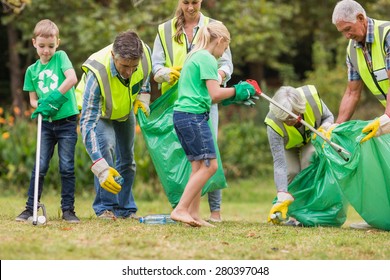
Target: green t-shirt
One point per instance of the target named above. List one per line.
(44, 78)
(193, 94)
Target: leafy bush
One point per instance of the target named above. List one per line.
(17, 158)
(243, 146)
(244, 150)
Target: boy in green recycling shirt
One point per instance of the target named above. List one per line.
(50, 82)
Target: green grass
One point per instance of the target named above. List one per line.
(244, 234)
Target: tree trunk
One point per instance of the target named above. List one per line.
(16, 75)
(256, 70)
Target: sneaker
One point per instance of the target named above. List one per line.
(362, 225)
(215, 217)
(107, 215)
(215, 220)
(25, 215)
(132, 216)
(70, 216)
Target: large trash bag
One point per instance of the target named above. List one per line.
(364, 179)
(168, 157)
(318, 198)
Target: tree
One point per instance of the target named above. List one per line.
(272, 41)
(13, 8)
(258, 34)
(85, 27)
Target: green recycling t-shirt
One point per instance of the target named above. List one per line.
(194, 96)
(45, 78)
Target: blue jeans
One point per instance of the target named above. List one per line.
(116, 143)
(214, 197)
(195, 135)
(62, 132)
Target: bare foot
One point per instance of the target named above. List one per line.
(184, 217)
(204, 223)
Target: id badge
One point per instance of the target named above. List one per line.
(381, 75)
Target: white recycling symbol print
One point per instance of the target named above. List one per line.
(49, 74)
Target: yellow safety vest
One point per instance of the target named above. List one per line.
(313, 114)
(175, 53)
(118, 99)
(375, 79)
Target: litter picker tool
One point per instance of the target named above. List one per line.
(41, 219)
(343, 153)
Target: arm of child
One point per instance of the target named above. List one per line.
(33, 99)
(69, 82)
(218, 93)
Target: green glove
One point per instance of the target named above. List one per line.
(49, 106)
(244, 91)
(248, 102)
(245, 94)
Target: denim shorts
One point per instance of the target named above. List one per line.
(195, 135)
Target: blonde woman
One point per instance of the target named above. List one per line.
(175, 39)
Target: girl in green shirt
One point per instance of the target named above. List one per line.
(198, 89)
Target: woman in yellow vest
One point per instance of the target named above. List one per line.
(174, 40)
(290, 140)
(115, 79)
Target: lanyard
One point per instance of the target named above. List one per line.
(366, 52)
(189, 44)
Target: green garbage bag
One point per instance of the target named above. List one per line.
(168, 157)
(364, 180)
(318, 198)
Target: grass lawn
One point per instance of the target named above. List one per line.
(244, 234)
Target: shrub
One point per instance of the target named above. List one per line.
(17, 158)
(244, 150)
(243, 146)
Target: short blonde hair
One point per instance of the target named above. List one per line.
(290, 99)
(46, 28)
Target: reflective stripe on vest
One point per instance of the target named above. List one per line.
(118, 99)
(377, 81)
(313, 113)
(175, 53)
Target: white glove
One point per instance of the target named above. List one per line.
(326, 129)
(325, 125)
(168, 74)
(377, 127)
(384, 127)
(142, 102)
(106, 176)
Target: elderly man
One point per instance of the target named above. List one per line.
(368, 61)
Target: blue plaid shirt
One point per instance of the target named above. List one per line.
(92, 111)
(353, 75)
